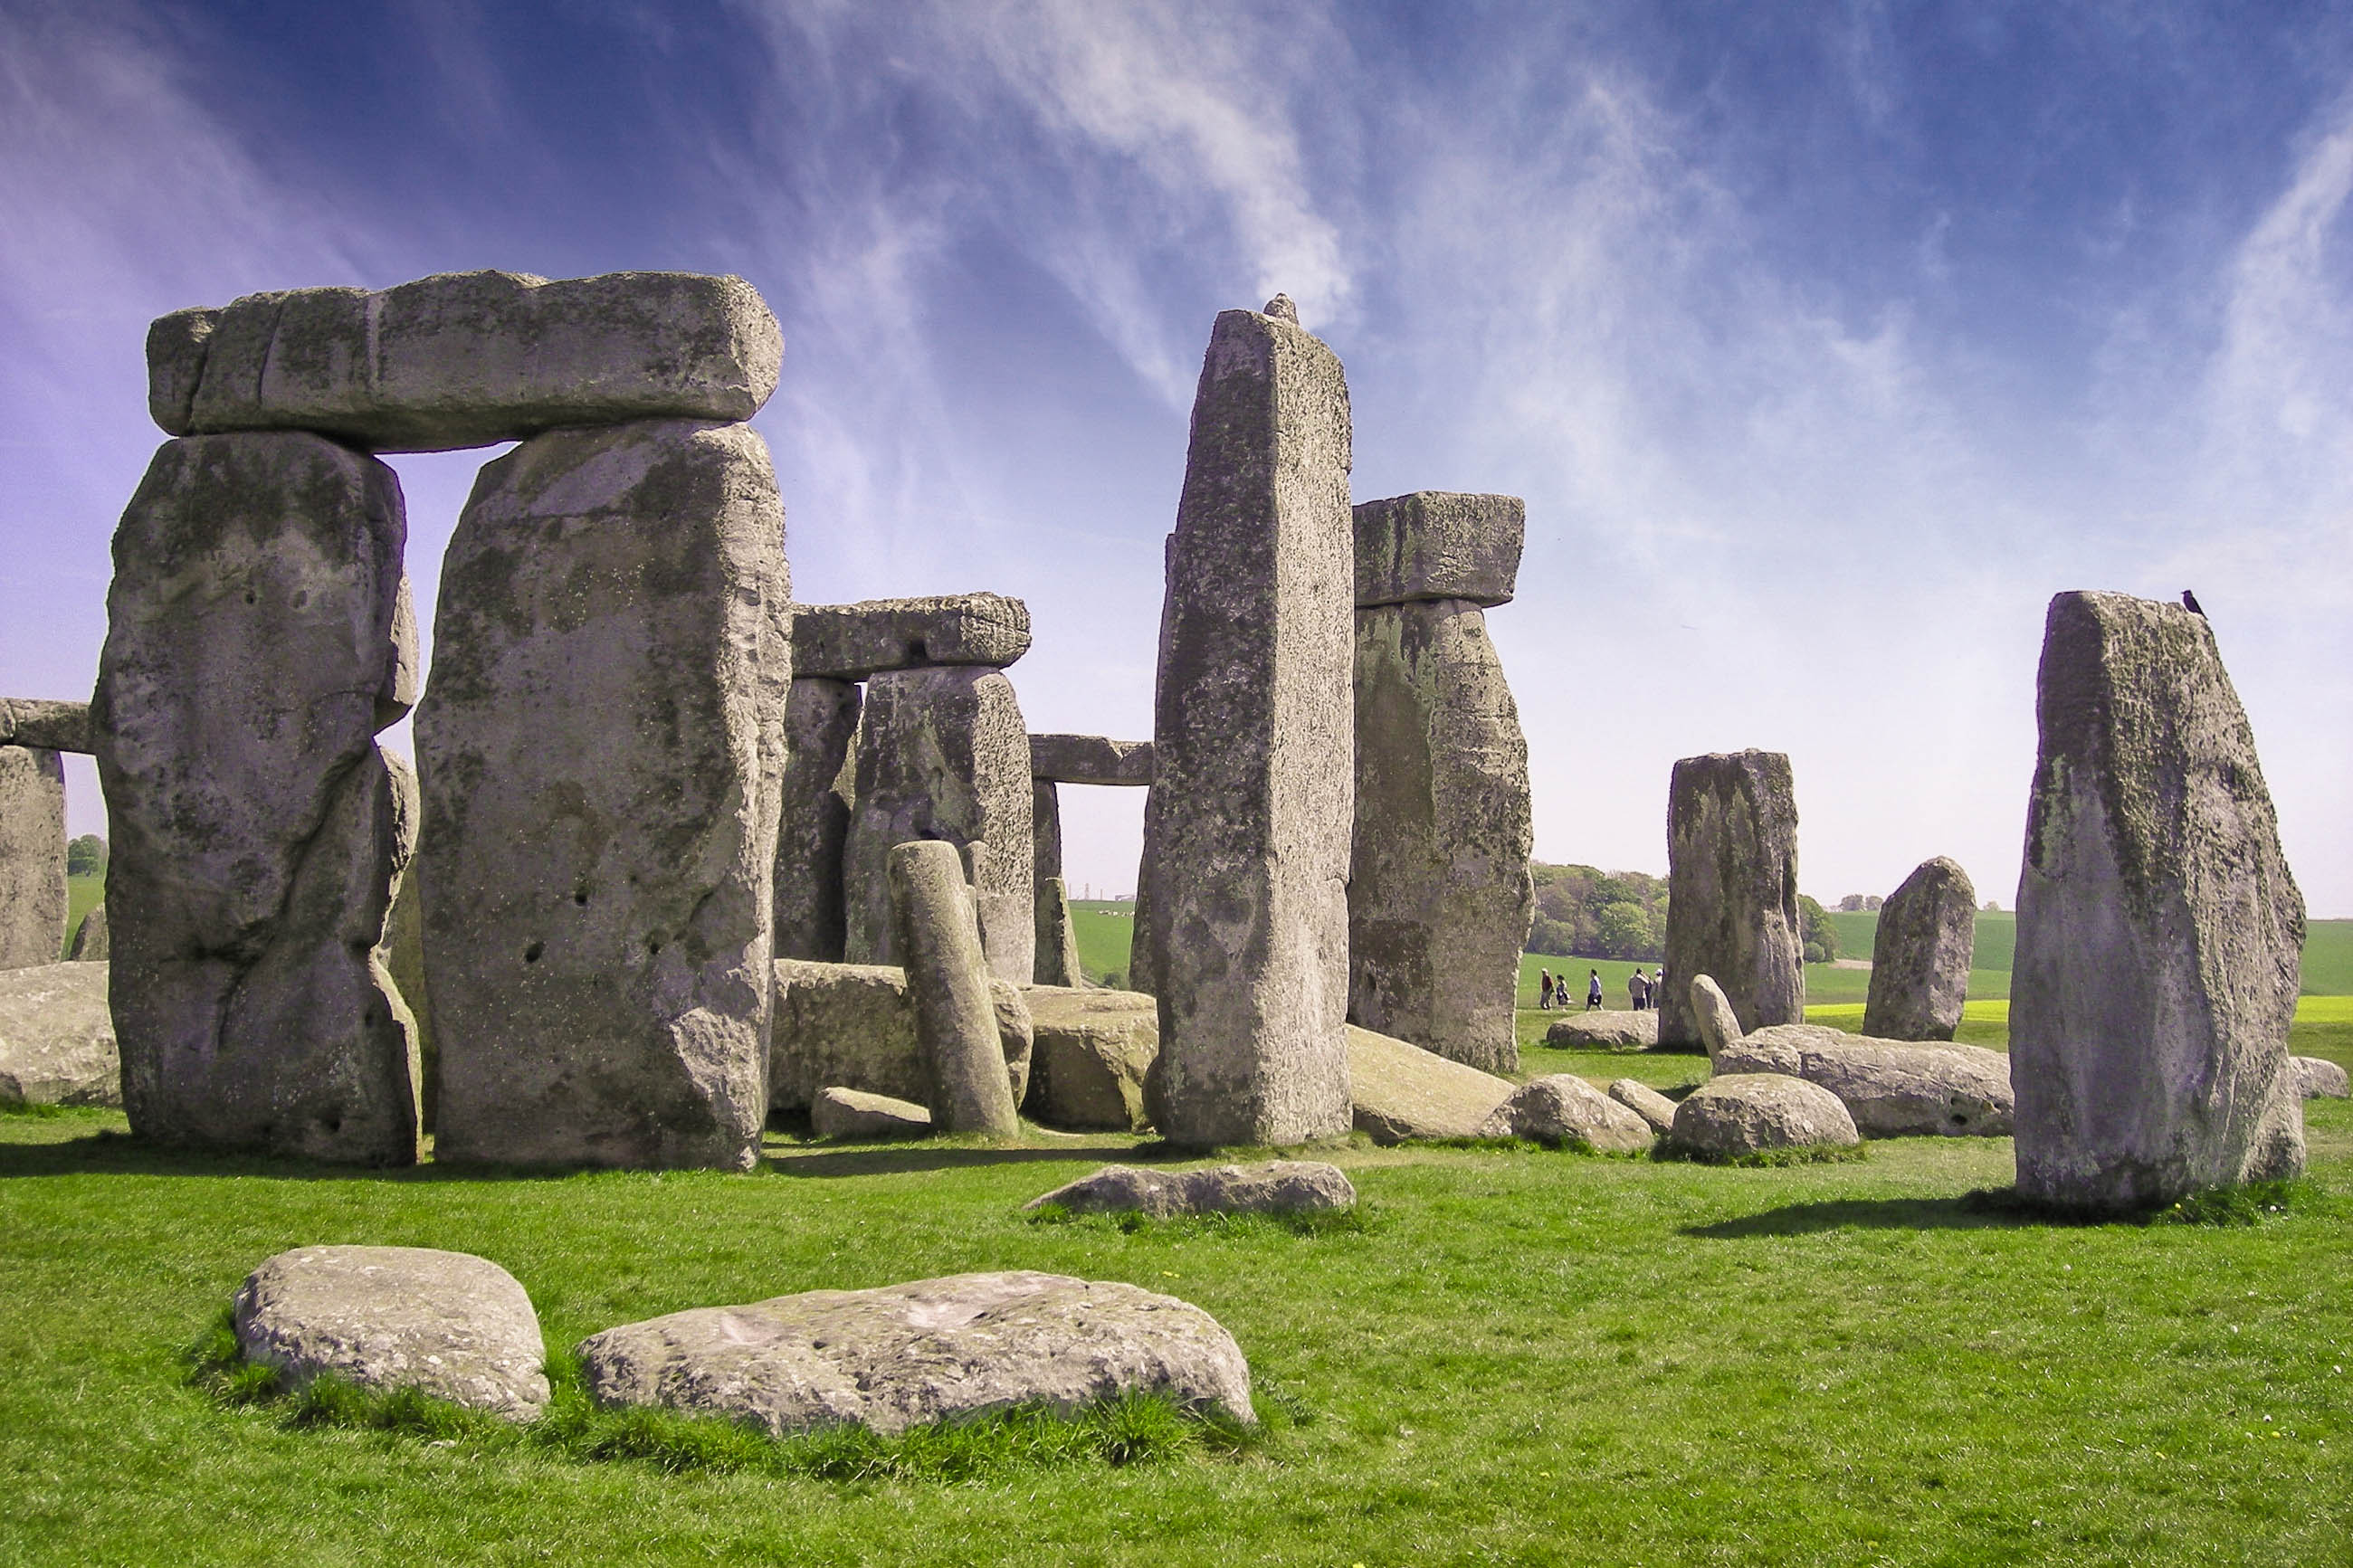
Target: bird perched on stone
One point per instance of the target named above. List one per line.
(1282, 309)
(2190, 603)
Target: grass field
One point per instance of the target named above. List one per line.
(2328, 954)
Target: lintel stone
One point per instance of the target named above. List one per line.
(1436, 545)
(51, 726)
(850, 642)
(1090, 759)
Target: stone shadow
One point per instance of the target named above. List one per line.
(1993, 1208)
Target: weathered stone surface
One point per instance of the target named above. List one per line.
(32, 856)
(1090, 759)
(1093, 1050)
(258, 638)
(57, 1038)
(1644, 1102)
(1439, 898)
(50, 725)
(450, 1324)
(1058, 939)
(1275, 1186)
(402, 956)
(1718, 1025)
(1246, 834)
(1401, 1091)
(1928, 935)
(1435, 544)
(1564, 1109)
(1604, 1031)
(947, 982)
(2316, 1078)
(931, 1351)
(90, 944)
(943, 754)
(852, 1025)
(852, 1113)
(2159, 933)
(1893, 1089)
(852, 642)
(1016, 1033)
(466, 359)
(1732, 892)
(813, 828)
(1750, 1114)
(603, 753)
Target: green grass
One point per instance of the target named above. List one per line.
(2327, 954)
(1520, 1357)
(83, 894)
(1104, 929)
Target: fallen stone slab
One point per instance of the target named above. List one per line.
(1645, 1102)
(1399, 1091)
(1920, 958)
(1435, 544)
(1090, 759)
(466, 359)
(853, 1026)
(1753, 1113)
(1604, 1031)
(1893, 1089)
(1562, 1108)
(1093, 1049)
(851, 642)
(57, 1036)
(934, 1350)
(32, 856)
(2316, 1078)
(1732, 892)
(850, 1113)
(1275, 1186)
(50, 726)
(450, 1324)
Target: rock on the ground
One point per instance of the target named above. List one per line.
(1893, 1089)
(1090, 759)
(1564, 1109)
(1435, 544)
(2316, 1078)
(1273, 1186)
(1400, 1091)
(852, 642)
(2159, 933)
(1093, 1050)
(32, 856)
(1920, 958)
(1732, 892)
(852, 1113)
(466, 359)
(1751, 1114)
(450, 1324)
(852, 1025)
(1604, 1031)
(89, 939)
(57, 1038)
(1644, 1102)
(1711, 1014)
(903, 1355)
(813, 825)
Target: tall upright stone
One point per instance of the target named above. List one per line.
(1928, 934)
(1055, 961)
(1439, 898)
(813, 828)
(948, 985)
(1246, 836)
(32, 855)
(943, 754)
(258, 638)
(603, 751)
(2159, 933)
(1732, 892)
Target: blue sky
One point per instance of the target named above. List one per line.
(1825, 343)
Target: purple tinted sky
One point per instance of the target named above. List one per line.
(1825, 342)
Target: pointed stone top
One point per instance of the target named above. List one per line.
(1281, 308)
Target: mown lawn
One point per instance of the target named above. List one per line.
(1523, 1357)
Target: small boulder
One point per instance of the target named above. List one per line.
(934, 1350)
(1603, 1031)
(1718, 1025)
(1750, 1114)
(1275, 1186)
(455, 1326)
(1400, 1091)
(1092, 1049)
(850, 1113)
(1893, 1089)
(1565, 1109)
(2319, 1079)
(1645, 1102)
(57, 1036)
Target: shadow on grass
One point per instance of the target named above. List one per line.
(2003, 1208)
(887, 1160)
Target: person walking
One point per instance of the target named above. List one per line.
(1657, 985)
(1593, 991)
(1639, 989)
(1544, 991)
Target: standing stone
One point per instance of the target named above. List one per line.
(947, 980)
(1058, 939)
(32, 856)
(2159, 933)
(1732, 892)
(402, 953)
(1246, 836)
(1047, 965)
(90, 941)
(1439, 898)
(943, 754)
(820, 726)
(603, 753)
(258, 638)
(1920, 958)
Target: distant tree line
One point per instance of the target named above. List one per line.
(85, 856)
(1592, 913)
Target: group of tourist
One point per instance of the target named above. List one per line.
(1643, 990)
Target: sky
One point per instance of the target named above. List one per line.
(1825, 342)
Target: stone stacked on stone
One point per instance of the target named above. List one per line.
(1090, 759)
(2159, 933)
(1732, 892)
(947, 982)
(259, 636)
(813, 823)
(466, 359)
(853, 642)
(40, 721)
(1246, 836)
(853, 1026)
(32, 855)
(1920, 956)
(602, 749)
(1439, 898)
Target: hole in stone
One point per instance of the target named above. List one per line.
(917, 652)
(530, 954)
(580, 896)
(653, 944)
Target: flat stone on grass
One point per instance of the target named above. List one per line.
(1275, 1186)
(1758, 1113)
(1399, 1091)
(1604, 1031)
(1893, 1089)
(850, 1113)
(2317, 1077)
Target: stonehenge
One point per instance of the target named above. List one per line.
(32, 855)
(938, 932)
(1055, 761)
(1732, 892)
(1920, 961)
(2159, 933)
